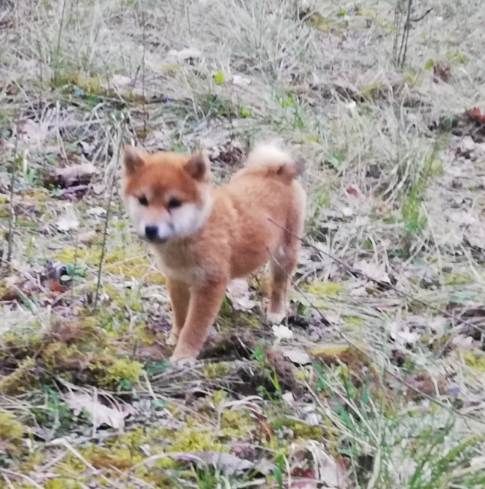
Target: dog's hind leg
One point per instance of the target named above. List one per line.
(285, 259)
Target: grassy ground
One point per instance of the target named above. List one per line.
(381, 382)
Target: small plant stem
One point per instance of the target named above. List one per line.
(107, 219)
(11, 210)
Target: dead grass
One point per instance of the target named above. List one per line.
(395, 174)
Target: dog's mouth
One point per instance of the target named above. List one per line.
(154, 240)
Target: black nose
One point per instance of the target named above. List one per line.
(151, 232)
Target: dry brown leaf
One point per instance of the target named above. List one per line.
(314, 466)
(476, 115)
(99, 413)
(441, 71)
(71, 175)
(332, 353)
(14, 287)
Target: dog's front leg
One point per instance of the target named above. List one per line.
(179, 297)
(205, 302)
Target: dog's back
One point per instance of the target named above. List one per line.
(268, 204)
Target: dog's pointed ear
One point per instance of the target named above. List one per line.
(133, 159)
(198, 166)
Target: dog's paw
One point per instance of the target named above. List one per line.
(172, 339)
(183, 356)
(275, 317)
(182, 361)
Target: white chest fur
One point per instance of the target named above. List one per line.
(178, 264)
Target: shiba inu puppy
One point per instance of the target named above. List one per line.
(204, 236)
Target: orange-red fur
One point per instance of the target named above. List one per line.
(254, 219)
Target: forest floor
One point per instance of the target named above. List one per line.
(377, 378)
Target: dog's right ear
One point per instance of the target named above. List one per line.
(198, 166)
(132, 159)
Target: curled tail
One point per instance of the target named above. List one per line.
(270, 159)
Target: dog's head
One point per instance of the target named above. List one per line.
(166, 194)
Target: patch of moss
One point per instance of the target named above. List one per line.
(236, 423)
(21, 341)
(92, 85)
(112, 458)
(118, 261)
(324, 289)
(216, 370)
(457, 279)
(475, 361)
(170, 69)
(457, 57)
(299, 428)
(373, 91)
(326, 24)
(62, 483)
(11, 433)
(353, 321)
(412, 77)
(58, 356)
(123, 373)
(124, 297)
(20, 379)
(194, 439)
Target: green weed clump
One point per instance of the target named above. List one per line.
(122, 374)
(11, 433)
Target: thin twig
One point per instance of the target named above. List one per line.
(11, 211)
(421, 17)
(107, 218)
(59, 38)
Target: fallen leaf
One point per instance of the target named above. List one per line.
(187, 54)
(282, 332)
(441, 71)
(296, 356)
(476, 115)
(239, 294)
(15, 287)
(120, 81)
(87, 237)
(373, 271)
(422, 385)
(402, 334)
(68, 221)
(241, 81)
(100, 414)
(316, 466)
(338, 353)
(33, 133)
(225, 462)
(353, 191)
(71, 176)
(475, 236)
(284, 369)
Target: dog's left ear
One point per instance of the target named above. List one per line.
(198, 166)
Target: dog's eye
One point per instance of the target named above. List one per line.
(173, 203)
(143, 200)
